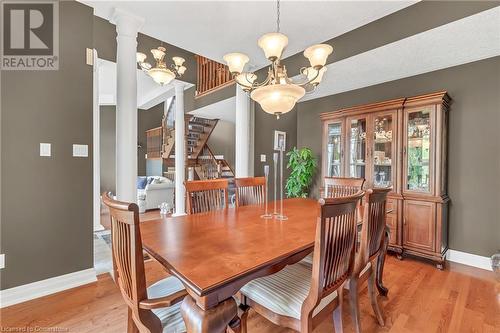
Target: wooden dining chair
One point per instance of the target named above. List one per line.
(206, 195)
(340, 186)
(371, 246)
(299, 296)
(250, 191)
(157, 308)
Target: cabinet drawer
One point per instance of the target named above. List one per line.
(391, 205)
(392, 222)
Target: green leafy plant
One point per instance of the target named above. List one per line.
(303, 166)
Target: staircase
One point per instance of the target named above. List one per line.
(199, 156)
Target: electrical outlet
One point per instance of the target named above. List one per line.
(262, 157)
(45, 149)
(2, 261)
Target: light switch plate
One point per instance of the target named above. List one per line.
(45, 149)
(80, 150)
(2, 261)
(262, 157)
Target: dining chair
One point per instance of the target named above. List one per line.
(341, 186)
(250, 191)
(300, 296)
(371, 246)
(157, 308)
(206, 195)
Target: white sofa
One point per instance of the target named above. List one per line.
(161, 189)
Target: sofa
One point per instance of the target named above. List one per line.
(154, 190)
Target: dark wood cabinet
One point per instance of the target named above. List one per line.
(400, 143)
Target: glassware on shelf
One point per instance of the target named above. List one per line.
(418, 151)
(334, 149)
(382, 150)
(357, 148)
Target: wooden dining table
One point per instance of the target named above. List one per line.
(216, 253)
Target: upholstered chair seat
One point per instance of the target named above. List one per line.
(170, 317)
(285, 292)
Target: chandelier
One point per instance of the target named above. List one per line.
(278, 93)
(160, 73)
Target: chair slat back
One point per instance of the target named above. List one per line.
(335, 244)
(250, 191)
(340, 187)
(374, 215)
(128, 260)
(206, 195)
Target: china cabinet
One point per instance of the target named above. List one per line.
(401, 143)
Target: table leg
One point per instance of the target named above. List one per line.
(213, 320)
(380, 263)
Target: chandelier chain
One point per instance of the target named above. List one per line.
(278, 16)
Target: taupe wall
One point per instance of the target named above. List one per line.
(474, 143)
(46, 218)
(265, 125)
(146, 119)
(221, 141)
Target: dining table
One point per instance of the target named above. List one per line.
(216, 253)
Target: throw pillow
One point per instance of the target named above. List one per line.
(141, 183)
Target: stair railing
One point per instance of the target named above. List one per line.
(211, 76)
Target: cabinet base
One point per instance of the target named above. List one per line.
(438, 259)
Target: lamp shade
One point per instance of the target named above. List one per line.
(246, 79)
(278, 98)
(311, 75)
(317, 54)
(161, 76)
(178, 61)
(181, 70)
(236, 62)
(158, 53)
(141, 57)
(273, 44)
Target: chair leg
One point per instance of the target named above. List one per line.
(354, 304)
(381, 261)
(131, 327)
(373, 298)
(244, 309)
(337, 313)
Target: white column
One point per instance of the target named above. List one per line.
(180, 151)
(242, 131)
(127, 26)
(96, 146)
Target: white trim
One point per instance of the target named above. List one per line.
(469, 259)
(96, 150)
(46, 287)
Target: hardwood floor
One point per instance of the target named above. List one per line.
(421, 299)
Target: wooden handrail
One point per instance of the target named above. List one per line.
(211, 75)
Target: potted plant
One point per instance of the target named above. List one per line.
(303, 166)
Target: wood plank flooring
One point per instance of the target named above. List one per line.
(421, 299)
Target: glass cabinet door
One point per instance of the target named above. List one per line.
(418, 150)
(334, 150)
(357, 147)
(383, 150)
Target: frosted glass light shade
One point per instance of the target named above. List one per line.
(181, 70)
(278, 98)
(161, 76)
(158, 53)
(246, 79)
(311, 74)
(236, 62)
(273, 44)
(141, 57)
(317, 54)
(178, 61)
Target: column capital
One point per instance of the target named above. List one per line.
(127, 23)
(178, 86)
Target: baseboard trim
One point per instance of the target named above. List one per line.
(46, 287)
(469, 259)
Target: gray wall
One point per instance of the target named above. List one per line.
(46, 216)
(146, 119)
(221, 141)
(265, 125)
(474, 143)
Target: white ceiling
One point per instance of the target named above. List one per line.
(214, 28)
(224, 110)
(466, 40)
